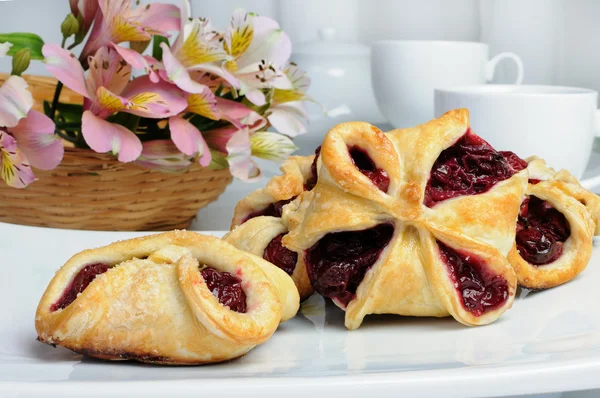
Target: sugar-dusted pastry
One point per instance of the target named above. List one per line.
(172, 298)
(412, 222)
(557, 220)
(262, 236)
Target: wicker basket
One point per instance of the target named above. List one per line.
(89, 190)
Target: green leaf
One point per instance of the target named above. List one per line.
(219, 161)
(156, 50)
(71, 113)
(126, 119)
(47, 108)
(20, 41)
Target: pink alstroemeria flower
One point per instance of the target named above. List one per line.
(118, 22)
(259, 50)
(108, 90)
(26, 136)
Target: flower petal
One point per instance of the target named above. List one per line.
(189, 140)
(270, 43)
(157, 18)
(63, 65)
(108, 69)
(167, 100)
(271, 146)
(87, 9)
(239, 34)
(218, 138)
(4, 47)
(36, 139)
(107, 103)
(239, 157)
(14, 169)
(163, 155)
(103, 136)
(178, 74)
(286, 119)
(204, 104)
(139, 61)
(15, 101)
(256, 96)
(199, 46)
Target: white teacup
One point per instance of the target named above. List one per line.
(405, 73)
(555, 123)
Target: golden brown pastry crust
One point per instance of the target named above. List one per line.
(346, 200)
(153, 305)
(295, 172)
(255, 235)
(581, 209)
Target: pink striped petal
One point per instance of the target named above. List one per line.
(139, 61)
(14, 169)
(189, 140)
(36, 139)
(63, 65)
(269, 43)
(158, 18)
(107, 70)
(15, 101)
(103, 136)
(154, 100)
(239, 157)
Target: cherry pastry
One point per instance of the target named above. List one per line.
(176, 298)
(415, 221)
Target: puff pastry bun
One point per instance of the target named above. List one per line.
(557, 221)
(257, 227)
(172, 298)
(415, 221)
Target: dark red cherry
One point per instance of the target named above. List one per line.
(365, 164)
(479, 289)
(226, 287)
(337, 263)
(281, 256)
(541, 231)
(80, 282)
(469, 167)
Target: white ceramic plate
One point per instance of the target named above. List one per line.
(549, 341)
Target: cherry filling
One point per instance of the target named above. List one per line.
(479, 289)
(226, 287)
(541, 231)
(80, 282)
(469, 167)
(337, 263)
(312, 181)
(281, 256)
(365, 165)
(273, 210)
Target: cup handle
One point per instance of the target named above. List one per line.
(491, 66)
(593, 182)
